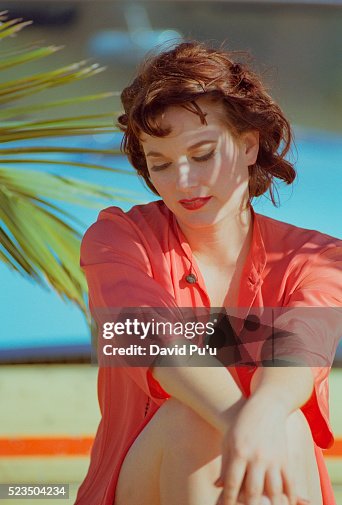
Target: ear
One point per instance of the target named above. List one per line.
(250, 143)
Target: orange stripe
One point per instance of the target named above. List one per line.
(80, 446)
(335, 451)
(45, 446)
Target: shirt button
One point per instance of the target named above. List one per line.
(191, 279)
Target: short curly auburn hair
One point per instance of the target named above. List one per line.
(192, 70)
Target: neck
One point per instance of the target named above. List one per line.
(210, 245)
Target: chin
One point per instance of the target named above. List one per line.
(199, 222)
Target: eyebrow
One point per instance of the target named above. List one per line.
(194, 146)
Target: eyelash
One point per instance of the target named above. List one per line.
(200, 159)
(206, 157)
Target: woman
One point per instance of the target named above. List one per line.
(205, 136)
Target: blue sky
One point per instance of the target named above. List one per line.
(32, 316)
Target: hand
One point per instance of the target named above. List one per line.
(254, 457)
(266, 501)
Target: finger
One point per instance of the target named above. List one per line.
(254, 484)
(224, 465)
(220, 499)
(289, 487)
(265, 500)
(218, 482)
(274, 486)
(232, 481)
(242, 500)
(284, 500)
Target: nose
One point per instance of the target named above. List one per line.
(186, 177)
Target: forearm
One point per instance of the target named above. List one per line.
(210, 391)
(286, 387)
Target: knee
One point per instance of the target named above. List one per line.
(301, 456)
(184, 427)
(298, 434)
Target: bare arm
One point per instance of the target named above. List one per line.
(286, 387)
(212, 392)
(209, 390)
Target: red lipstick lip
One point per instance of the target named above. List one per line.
(194, 203)
(186, 200)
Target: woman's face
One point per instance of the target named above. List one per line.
(200, 170)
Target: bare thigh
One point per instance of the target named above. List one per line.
(176, 447)
(177, 457)
(138, 481)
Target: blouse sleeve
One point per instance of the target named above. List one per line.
(118, 273)
(314, 314)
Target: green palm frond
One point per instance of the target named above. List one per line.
(20, 88)
(63, 150)
(26, 56)
(8, 28)
(42, 244)
(29, 109)
(39, 238)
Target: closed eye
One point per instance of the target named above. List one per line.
(206, 157)
(155, 168)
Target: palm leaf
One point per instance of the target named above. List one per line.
(13, 256)
(15, 90)
(64, 150)
(39, 238)
(18, 111)
(27, 56)
(68, 163)
(32, 184)
(44, 240)
(80, 122)
(51, 78)
(11, 136)
(39, 243)
(11, 27)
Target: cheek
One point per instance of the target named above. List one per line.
(160, 182)
(223, 168)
